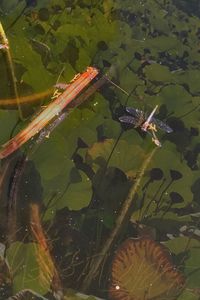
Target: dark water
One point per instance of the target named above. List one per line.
(91, 205)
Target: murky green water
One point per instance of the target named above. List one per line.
(93, 204)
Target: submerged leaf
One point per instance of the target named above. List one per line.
(156, 72)
(5, 279)
(77, 195)
(142, 269)
(125, 157)
(188, 249)
(52, 157)
(29, 272)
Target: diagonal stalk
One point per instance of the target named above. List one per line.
(97, 261)
(11, 69)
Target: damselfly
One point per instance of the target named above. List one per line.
(150, 124)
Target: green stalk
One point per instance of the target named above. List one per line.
(97, 261)
(11, 68)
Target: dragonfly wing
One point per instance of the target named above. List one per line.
(161, 125)
(134, 112)
(128, 120)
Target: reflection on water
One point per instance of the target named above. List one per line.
(89, 205)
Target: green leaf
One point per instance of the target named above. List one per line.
(191, 262)
(128, 81)
(72, 295)
(191, 78)
(24, 54)
(180, 244)
(10, 6)
(24, 261)
(8, 120)
(157, 199)
(192, 268)
(77, 195)
(164, 43)
(125, 157)
(188, 295)
(52, 157)
(156, 72)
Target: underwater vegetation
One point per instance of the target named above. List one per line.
(142, 269)
(92, 206)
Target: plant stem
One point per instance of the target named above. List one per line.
(11, 69)
(125, 211)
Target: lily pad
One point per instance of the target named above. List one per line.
(159, 73)
(77, 195)
(192, 269)
(191, 78)
(164, 43)
(157, 196)
(125, 157)
(8, 120)
(191, 262)
(56, 161)
(25, 55)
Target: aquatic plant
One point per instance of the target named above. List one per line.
(90, 163)
(142, 269)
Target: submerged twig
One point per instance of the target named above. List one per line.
(12, 198)
(11, 68)
(45, 260)
(26, 99)
(125, 210)
(53, 110)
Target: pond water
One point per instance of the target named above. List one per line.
(99, 134)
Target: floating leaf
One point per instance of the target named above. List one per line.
(77, 195)
(8, 120)
(172, 181)
(156, 72)
(52, 157)
(191, 78)
(192, 268)
(125, 157)
(21, 49)
(141, 269)
(189, 249)
(164, 43)
(176, 98)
